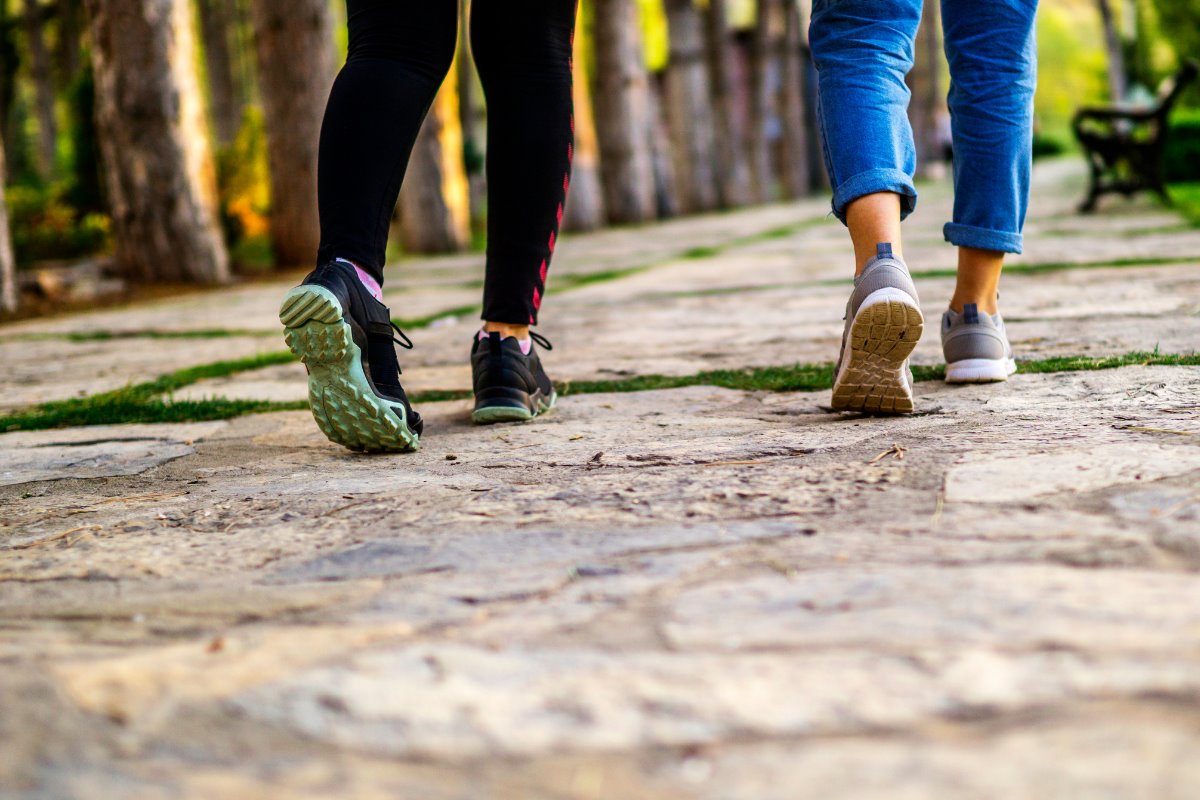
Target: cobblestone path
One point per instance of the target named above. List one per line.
(689, 592)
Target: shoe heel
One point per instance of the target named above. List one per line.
(875, 377)
(888, 325)
(309, 303)
(343, 402)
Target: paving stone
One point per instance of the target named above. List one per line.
(97, 452)
(451, 701)
(923, 607)
(1024, 477)
(686, 593)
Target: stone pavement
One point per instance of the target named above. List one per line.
(696, 592)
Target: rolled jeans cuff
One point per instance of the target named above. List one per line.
(982, 238)
(870, 182)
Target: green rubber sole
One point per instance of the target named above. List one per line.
(346, 408)
(489, 415)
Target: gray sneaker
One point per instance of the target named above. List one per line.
(976, 347)
(883, 325)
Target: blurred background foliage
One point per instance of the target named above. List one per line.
(59, 209)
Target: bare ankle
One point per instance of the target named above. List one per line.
(985, 305)
(505, 329)
(874, 219)
(978, 279)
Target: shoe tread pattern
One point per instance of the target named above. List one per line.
(344, 406)
(874, 380)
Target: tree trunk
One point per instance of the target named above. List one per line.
(294, 45)
(733, 178)
(43, 84)
(1116, 52)
(10, 62)
(434, 208)
(70, 39)
(584, 209)
(216, 27)
(624, 113)
(469, 116)
(10, 298)
(154, 138)
(797, 177)
(665, 204)
(927, 104)
(689, 112)
(757, 147)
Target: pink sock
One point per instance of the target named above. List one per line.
(372, 285)
(526, 343)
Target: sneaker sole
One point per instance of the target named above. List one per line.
(346, 408)
(875, 378)
(490, 414)
(980, 370)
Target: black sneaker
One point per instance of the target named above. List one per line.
(509, 385)
(344, 336)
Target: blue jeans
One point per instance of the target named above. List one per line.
(862, 50)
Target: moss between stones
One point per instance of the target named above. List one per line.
(143, 402)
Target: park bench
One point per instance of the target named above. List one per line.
(1124, 145)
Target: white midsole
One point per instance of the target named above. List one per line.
(977, 370)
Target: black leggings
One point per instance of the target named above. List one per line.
(400, 51)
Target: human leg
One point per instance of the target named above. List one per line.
(522, 49)
(862, 50)
(398, 55)
(335, 321)
(991, 50)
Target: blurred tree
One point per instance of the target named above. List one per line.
(295, 50)
(9, 64)
(689, 112)
(434, 211)
(733, 177)
(584, 209)
(470, 115)
(84, 192)
(10, 297)
(927, 105)
(1072, 68)
(1181, 24)
(68, 45)
(157, 157)
(624, 113)
(217, 20)
(665, 203)
(757, 145)
(40, 72)
(1117, 75)
(796, 174)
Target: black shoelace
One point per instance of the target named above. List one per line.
(541, 340)
(403, 341)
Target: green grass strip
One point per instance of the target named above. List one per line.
(116, 410)
(1062, 266)
(1012, 269)
(105, 336)
(417, 323)
(141, 403)
(815, 377)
